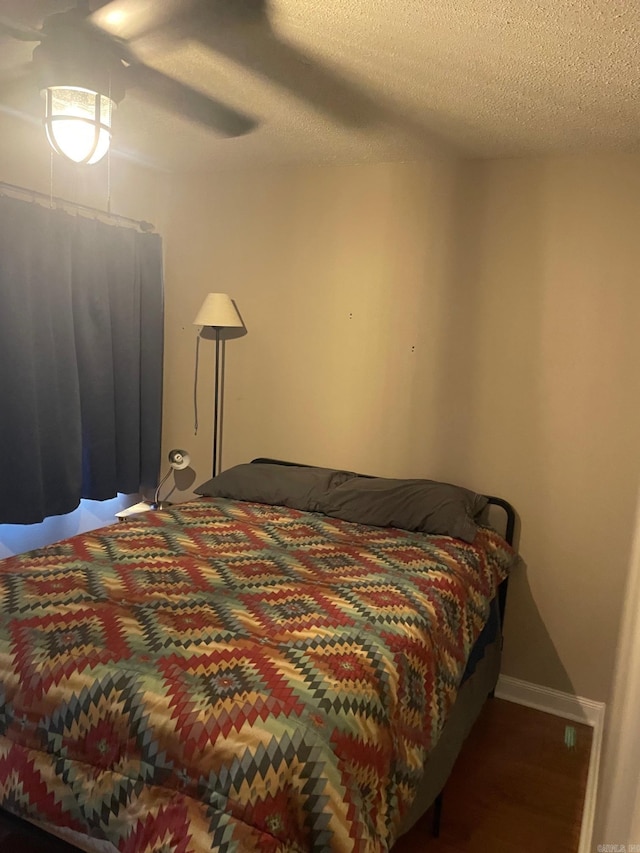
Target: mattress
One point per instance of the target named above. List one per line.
(234, 676)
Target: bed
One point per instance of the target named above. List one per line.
(254, 670)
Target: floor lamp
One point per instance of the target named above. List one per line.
(218, 312)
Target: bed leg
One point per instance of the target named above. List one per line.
(437, 814)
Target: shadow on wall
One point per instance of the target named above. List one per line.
(534, 652)
(529, 650)
(183, 480)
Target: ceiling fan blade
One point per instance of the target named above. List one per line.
(19, 31)
(186, 102)
(241, 30)
(256, 47)
(132, 19)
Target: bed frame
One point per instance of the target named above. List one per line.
(474, 691)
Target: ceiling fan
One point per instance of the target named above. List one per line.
(84, 72)
(93, 47)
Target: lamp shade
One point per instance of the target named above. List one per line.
(218, 310)
(179, 459)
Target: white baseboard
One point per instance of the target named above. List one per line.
(556, 702)
(569, 707)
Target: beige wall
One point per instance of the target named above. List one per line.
(556, 430)
(476, 323)
(340, 275)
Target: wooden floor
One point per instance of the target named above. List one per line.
(516, 788)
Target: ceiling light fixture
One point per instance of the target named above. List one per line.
(78, 122)
(82, 82)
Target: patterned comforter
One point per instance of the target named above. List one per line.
(233, 676)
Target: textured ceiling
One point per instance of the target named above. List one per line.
(393, 79)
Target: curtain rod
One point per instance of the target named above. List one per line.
(35, 194)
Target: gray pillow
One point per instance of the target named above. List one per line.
(279, 485)
(420, 505)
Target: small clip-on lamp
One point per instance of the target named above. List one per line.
(178, 460)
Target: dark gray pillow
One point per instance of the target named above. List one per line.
(420, 505)
(279, 485)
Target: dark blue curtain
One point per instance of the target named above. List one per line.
(81, 318)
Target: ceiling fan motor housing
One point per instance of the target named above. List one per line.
(78, 57)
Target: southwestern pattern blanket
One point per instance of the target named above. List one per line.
(233, 676)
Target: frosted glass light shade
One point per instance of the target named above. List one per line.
(218, 310)
(78, 123)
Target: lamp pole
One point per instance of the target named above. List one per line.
(217, 312)
(216, 402)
